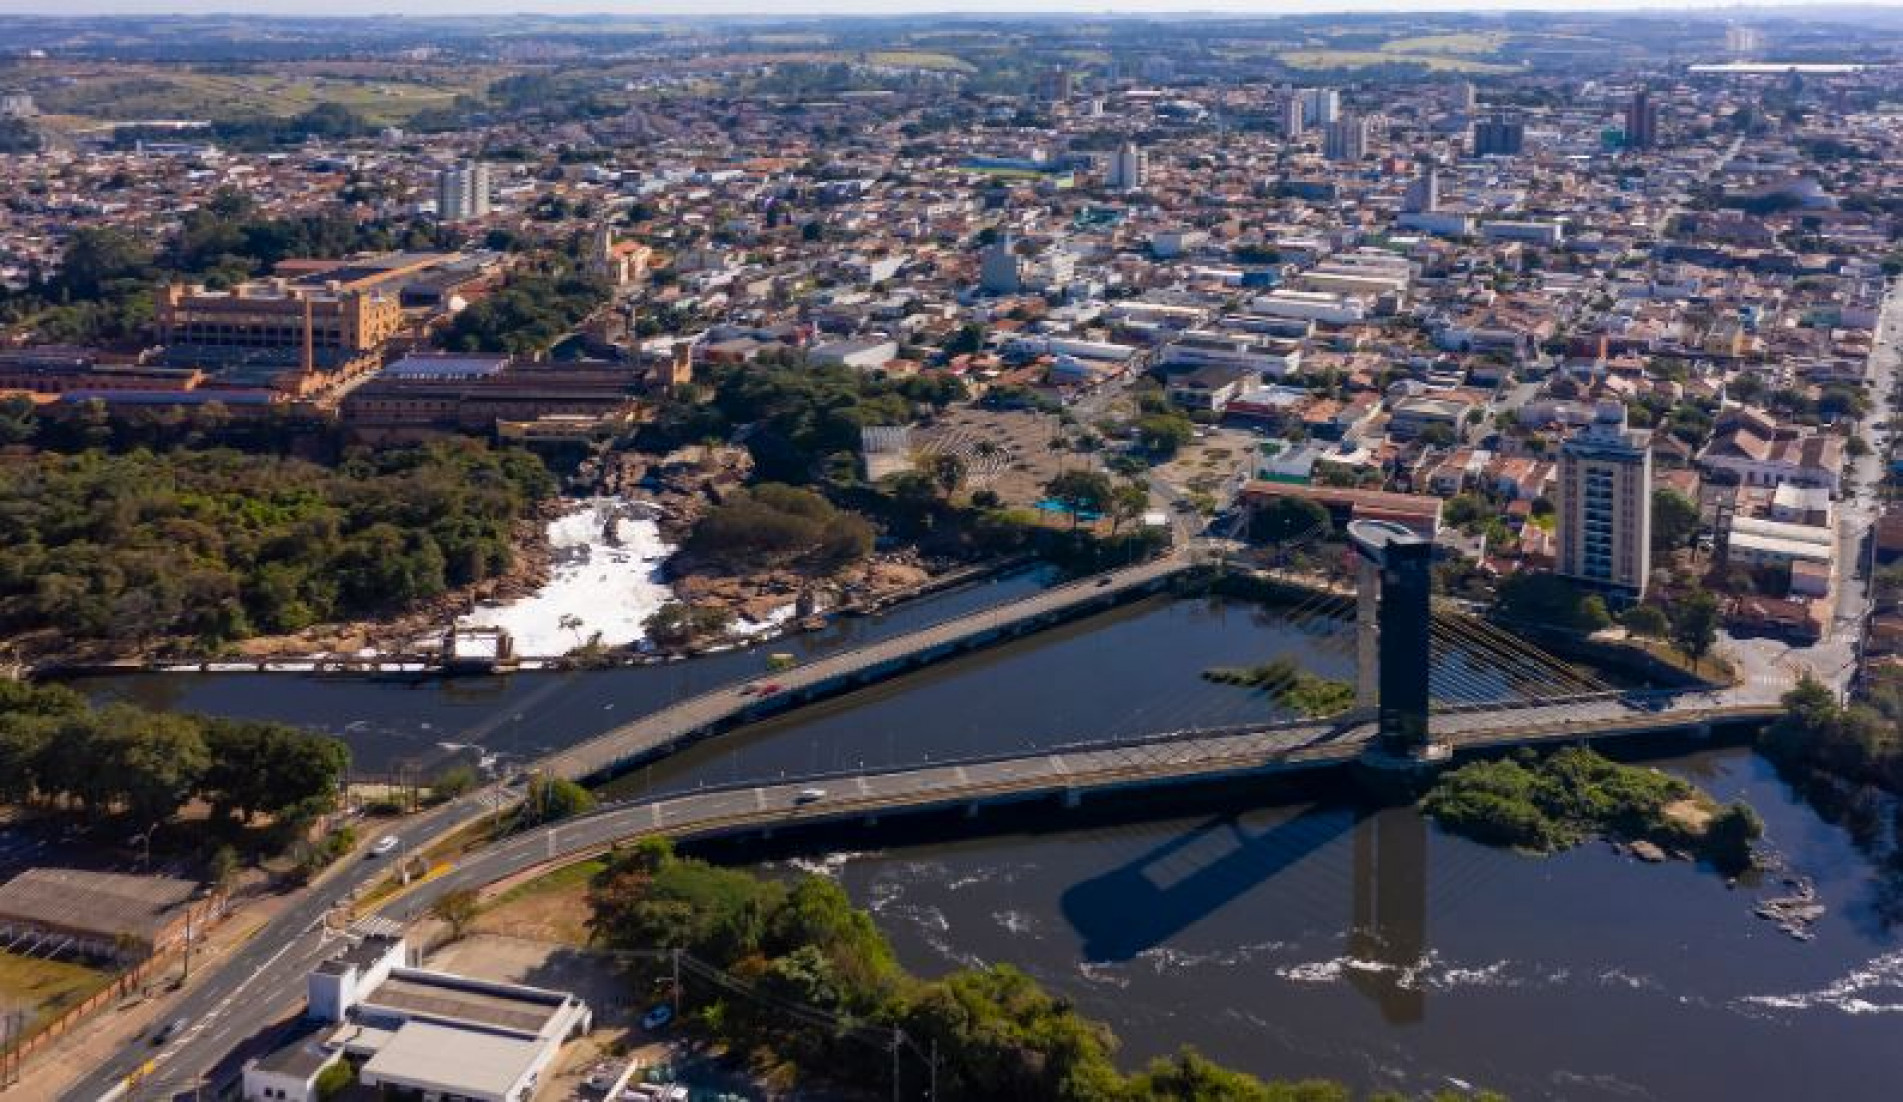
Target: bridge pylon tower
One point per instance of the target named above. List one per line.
(1394, 621)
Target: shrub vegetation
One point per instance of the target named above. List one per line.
(1550, 803)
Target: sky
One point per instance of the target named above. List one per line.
(846, 7)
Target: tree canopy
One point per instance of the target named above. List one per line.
(217, 546)
(772, 525)
(1675, 521)
(55, 746)
(1548, 600)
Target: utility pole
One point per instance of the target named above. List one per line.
(676, 956)
(897, 1036)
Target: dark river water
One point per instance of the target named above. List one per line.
(1294, 940)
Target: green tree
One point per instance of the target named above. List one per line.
(1675, 521)
(457, 910)
(1128, 502)
(947, 470)
(1164, 434)
(968, 340)
(676, 623)
(457, 780)
(1549, 601)
(151, 762)
(221, 869)
(1695, 620)
(1080, 492)
(775, 525)
(1645, 620)
(551, 799)
(1285, 518)
(97, 257)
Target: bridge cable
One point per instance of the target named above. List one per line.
(1593, 682)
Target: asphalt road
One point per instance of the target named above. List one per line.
(235, 997)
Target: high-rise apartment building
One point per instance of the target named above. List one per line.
(1605, 504)
(1294, 121)
(1320, 106)
(462, 192)
(1499, 136)
(1346, 139)
(1129, 168)
(1641, 121)
(1423, 192)
(1057, 85)
(1000, 270)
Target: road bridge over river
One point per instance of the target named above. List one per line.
(663, 731)
(1076, 772)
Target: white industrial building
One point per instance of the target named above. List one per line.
(420, 1033)
(1335, 309)
(1268, 357)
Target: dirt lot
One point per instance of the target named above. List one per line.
(552, 909)
(1208, 462)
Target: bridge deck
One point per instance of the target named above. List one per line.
(1183, 757)
(661, 730)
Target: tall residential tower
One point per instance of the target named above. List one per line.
(462, 192)
(1605, 504)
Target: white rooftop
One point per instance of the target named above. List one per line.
(429, 1057)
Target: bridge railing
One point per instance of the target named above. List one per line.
(1526, 703)
(1240, 730)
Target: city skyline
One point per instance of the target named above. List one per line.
(908, 8)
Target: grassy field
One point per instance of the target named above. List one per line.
(550, 908)
(46, 987)
(169, 92)
(920, 59)
(790, 39)
(1477, 45)
(1365, 59)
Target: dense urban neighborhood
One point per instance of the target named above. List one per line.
(500, 512)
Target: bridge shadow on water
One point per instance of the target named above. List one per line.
(1146, 902)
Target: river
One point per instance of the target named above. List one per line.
(1324, 940)
(1307, 939)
